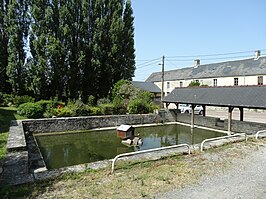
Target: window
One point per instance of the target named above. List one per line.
(168, 84)
(260, 80)
(236, 81)
(214, 82)
(181, 84)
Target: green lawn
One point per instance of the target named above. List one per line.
(6, 115)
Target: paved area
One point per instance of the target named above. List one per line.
(246, 179)
(251, 116)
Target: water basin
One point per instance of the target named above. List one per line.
(62, 150)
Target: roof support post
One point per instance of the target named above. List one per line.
(192, 116)
(241, 109)
(204, 110)
(230, 111)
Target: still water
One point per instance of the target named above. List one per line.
(84, 147)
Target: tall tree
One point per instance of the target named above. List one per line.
(128, 50)
(17, 28)
(4, 84)
(38, 71)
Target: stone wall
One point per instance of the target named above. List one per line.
(86, 123)
(245, 127)
(217, 123)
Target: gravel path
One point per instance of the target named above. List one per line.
(246, 179)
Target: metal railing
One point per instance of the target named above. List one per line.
(146, 151)
(257, 134)
(222, 137)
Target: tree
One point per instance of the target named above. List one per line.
(17, 28)
(128, 51)
(4, 84)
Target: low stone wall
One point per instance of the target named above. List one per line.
(210, 122)
(86, 123)
(245, 126)
(216, 123)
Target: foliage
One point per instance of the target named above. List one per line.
(103, 101)
(22, 99)
(30, 110)
(95, 110)
(3, 140)
(91, 100)
(62, 112)
(142, 105)
(65, 48)
(107, 109)
(117, 87)
(193, 84)
(196, 83)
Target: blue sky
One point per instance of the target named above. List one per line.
(195, 27)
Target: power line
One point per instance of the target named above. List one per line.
(214, 58)
(212, 55)
(151, 62)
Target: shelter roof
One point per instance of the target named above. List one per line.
(240, 96)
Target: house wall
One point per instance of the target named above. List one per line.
(221, 81)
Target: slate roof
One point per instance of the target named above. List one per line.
(244, 67)
(241, 96)
(147, 86)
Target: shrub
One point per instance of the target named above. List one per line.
(17, 100)
(138, 106)
(95, 110)
(45, 104)
(30, 110)
(91, 100)
(120, 106)
(49, 106)
(78, 108)
(107, 109)
(62, 112)
(7, 99)
(103, 101)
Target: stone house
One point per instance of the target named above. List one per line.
(244, 72)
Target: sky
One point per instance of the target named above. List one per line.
(185, 30)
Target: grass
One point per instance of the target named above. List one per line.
(6, 115)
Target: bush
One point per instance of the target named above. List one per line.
(95, 110)
(7, 99)
(45, 104)
(103, 101)
(17, 100)
(120, 106)
(62, 112)
(78, 108)
(30, 110)
(91, 100)
(107, 109)
(49, 106)
(138, 106)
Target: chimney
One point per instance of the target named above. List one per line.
(196, 63)
(257, 54)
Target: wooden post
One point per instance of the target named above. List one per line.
(204, 110)
(241, 113)
(192, 116)
(230, 111)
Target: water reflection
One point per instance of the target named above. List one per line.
(71, 149)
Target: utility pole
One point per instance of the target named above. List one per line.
(162, 90)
